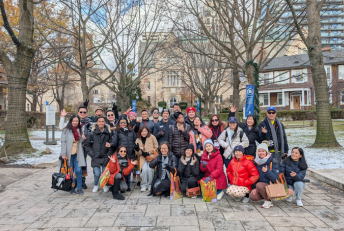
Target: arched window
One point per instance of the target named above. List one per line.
(173, 100)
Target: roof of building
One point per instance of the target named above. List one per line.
(302, 61)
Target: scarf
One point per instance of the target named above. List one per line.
(198, 142)
(259, 161)
(143, 139)
(164, 171)
(278, 155)
(76, 133)
(123, 162)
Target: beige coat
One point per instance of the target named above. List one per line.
(150, 145)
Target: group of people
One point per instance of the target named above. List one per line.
(242, 158)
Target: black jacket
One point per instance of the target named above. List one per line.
(165, 126)
(188, 170)
(293, 167)
(268, 135)
(95, 146)
(178, 139)
(188, 121)
(271, 175)
(253, 136)
(124, 138)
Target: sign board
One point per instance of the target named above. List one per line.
(249, 110)
(133, 106)
(50, 115)
(198, 106)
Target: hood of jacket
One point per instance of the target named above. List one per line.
(213, 154)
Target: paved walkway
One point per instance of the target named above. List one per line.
(30, 204)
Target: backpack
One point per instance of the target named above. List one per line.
(241, 135)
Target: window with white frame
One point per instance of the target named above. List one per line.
(148, 86)
(342, 97)
(264, 98)
(221, 99)
(299, 76)
(279, 99)
(341, 72)
(173, 78)
(330, 97)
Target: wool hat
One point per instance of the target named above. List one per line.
(208, 141)
(190, 109)
(232, 120)
(190, 146)
(176, 114)
(263, 146)
(271, 109)
(239, 148)
(132, 113)
(99, 108)
(123, 117)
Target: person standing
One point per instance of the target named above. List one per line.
(111, 119)
(217, 127)
(190, 115)
(271, 131)
(98, 148)
(99, 112)
(176, 108)
(179, 136)
(162, 128)
(155, 115)
(72, 151)
(145, 121)
(199, 133)
(147, 144)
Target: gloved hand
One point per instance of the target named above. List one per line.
(114, 107)
(207, 179)
(161, 133)
(145, 154)
(168, 168)
(86, 102)
(137, 148)
(204, 164)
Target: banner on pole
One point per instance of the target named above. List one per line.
(249, 109)
(133, 106)
(198, 106)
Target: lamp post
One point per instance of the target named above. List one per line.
(242, 79)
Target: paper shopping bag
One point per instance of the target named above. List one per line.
(209, 191)
(175, 191)
(104, 177)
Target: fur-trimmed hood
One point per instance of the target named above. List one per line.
(107, 127)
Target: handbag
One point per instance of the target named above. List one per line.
(62, 180)
(104, 177)
(191, 192)
(209, 191)
(175, 191)
(149, 158)
(277, 190)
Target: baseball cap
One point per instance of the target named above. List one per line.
(232, 119)
(271, 108)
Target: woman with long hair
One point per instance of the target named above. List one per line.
(72, 150)
(217, 127)
(198, 134)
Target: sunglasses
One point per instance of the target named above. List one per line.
(82, 112)
(110, 115)
(122, 151)
(122, 122)
(156, 112)
(271, 112)
(214, 120)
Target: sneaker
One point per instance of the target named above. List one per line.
(106, 188)
(289, 199)
(128, 190)
(72, 191)
(267, 204)
(194, 197)
(79, 191)
(246, 200)
(95, 189)
(220, 195)
(122, 191)
(237, 199)
(143, 189)
(299, 203)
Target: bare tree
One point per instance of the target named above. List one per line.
(325, 136)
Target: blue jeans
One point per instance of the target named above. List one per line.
(297, 188)
(127, 179)
(97, 173)
(77, 170)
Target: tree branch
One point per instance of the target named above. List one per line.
(7, 24)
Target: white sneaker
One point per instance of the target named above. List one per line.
(143, 189)
(299, 203)
(106, 188)
(237, 199)
(220, 195)
(267, 204)
(194, 197)
(289, 199)
(246, 200)
(95, 189)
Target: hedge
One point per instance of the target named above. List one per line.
(183, 105)
(162, 104)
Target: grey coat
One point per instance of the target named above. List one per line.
(67, 138)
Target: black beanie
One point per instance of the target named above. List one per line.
(190, 146)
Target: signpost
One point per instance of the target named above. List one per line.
(249, 109)
(50, 121)
(133, 106)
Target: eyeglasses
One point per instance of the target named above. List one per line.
(82, 112)
(156, 112)
(110, 115)
(214, 120)
(272, 112)
(122, 122)
(123, 151)
(164, 148)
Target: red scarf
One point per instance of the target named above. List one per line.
(76, 133)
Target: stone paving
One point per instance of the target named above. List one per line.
(30, 204)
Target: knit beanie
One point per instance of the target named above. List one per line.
(239, 148)
(190, 146)
(262, 146)
(132, 113)
(190, 109)
(208, 141)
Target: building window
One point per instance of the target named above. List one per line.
(299, 76)
(148, 99)
(328, 73)
(165, 59)
(28, 107)
(217, 99)
(221, 99)
(173, 78)
(172, 102)
(341, 72)
(342, 97)
(148, 86)
(264, 98)
(95, 92)
(279, 98)
(330, 99)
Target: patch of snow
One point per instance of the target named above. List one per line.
(42, 134)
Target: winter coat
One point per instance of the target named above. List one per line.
(161, 125)
(188, 121)
(178, 139)
(242, 172)
(273, 172)
(229, 143)
(112, 125)
(149, 123)
(187, 171)
(214, 168)
(149, 146)
(86, 125)
(286, 170)
(253, 136)
(124, 138)
(67, 138)
(205, 132)
(95, 145)
(114, 168)
(268, 135)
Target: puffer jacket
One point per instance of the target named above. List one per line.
(214, 168)
(114, 169)
(272, 173)
(294, 167)
(205, 132)
(187, 171)
(253, 136)
(178, 139)
(124, 138)
(161, 125)
(229, 143)
(149, 123)
(188, 121)
(95, 145)
(242, 172)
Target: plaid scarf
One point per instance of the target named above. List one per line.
(76, 133)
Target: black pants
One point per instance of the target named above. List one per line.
(191, 183)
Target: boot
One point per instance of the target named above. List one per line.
(115, 189)
(167, 193)
(84, 186)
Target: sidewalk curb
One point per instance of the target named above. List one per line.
(51, 164)
(326, 179)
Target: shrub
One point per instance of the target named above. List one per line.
(183, 105)
(162, 104)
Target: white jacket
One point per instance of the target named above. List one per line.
(229, 144)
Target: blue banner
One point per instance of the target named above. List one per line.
(249, 110)
(133, 106)
(198, 106)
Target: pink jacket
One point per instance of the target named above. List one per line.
(205, 132)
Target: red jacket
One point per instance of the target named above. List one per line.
(214, 168)
(114, 169)
(242, 172)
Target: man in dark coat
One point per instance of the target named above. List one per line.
(162, 128)
(176, 108)
(272, 132)
(97, 146)
(146, 121)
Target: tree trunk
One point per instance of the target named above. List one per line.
(34, 102)
(84, 87)
(236, 90)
